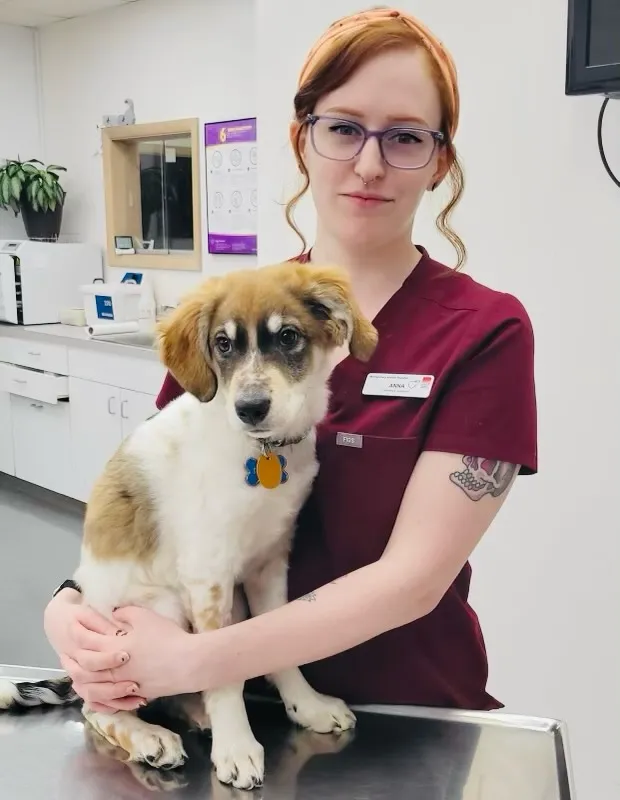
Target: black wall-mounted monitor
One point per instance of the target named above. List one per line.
(593, 47)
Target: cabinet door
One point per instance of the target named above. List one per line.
(95, 430)
(7, 462)
(41, 436)
(135, 408)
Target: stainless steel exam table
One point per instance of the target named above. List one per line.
(395, 752)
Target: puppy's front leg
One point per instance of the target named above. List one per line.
(266, 590)
(237, 756)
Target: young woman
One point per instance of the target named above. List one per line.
(379, 575)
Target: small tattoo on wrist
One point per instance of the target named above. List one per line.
(309, 598)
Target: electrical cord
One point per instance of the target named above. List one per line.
(601, 148)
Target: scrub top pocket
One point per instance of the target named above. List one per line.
(358, 493)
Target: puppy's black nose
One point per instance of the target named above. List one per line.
(253, 410)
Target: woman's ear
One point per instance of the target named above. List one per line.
(443, 167)
(297, 137)
(183, 338)
(327, 294)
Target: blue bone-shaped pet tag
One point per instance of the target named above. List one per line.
(266, 470)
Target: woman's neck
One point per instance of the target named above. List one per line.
(369, 269)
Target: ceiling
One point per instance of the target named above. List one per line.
(35, 13)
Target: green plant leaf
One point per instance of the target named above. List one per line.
(30, 183)
(32, 196)
(16, 187)
(5, 189)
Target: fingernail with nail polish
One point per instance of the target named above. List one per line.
(123, 657)
(121, 633)
(133, 689)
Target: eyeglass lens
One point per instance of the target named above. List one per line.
(342, 140)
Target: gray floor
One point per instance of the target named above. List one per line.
(40, 536)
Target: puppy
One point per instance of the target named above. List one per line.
(202, 498)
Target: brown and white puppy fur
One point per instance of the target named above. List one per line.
(172, 524)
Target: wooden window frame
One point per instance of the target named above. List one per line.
(121, 175)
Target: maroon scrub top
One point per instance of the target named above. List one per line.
(478, 344)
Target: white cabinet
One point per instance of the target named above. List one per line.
(7, 463)
(135, 408)
(95, 430)
(41, 436)
(66, 406)
(101, 417)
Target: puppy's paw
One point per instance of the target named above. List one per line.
(157, 747)
(221, 791)
(239, 761)
(322, 714)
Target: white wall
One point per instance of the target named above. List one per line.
(541, 219)
(19, 125)
(165, 55)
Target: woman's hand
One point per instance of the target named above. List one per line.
(154, 655)
(67, 624)
(164, 659)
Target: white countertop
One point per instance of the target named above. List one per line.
(74, 334)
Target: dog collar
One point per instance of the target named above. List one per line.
(267, 445)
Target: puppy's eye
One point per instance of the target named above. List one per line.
(223, 344)
(289, 337)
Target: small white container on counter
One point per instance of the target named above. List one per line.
(111, 302)
(72, 316)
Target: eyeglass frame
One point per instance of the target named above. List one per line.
(438, 138)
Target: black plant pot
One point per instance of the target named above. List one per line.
(42, 225)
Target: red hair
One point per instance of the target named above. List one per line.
(332, 68)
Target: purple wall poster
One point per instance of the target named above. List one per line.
(232, 186)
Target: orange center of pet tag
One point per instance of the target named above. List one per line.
(269, 471)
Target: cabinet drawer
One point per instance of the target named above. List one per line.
(41, 437)
(32, 384)
(48, 356)
(123, 370)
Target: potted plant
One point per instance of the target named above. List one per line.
(34, 190)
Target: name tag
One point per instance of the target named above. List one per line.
(349, 439)
(388, 384)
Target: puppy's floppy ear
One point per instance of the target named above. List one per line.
(184, 341)
(328, 296)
